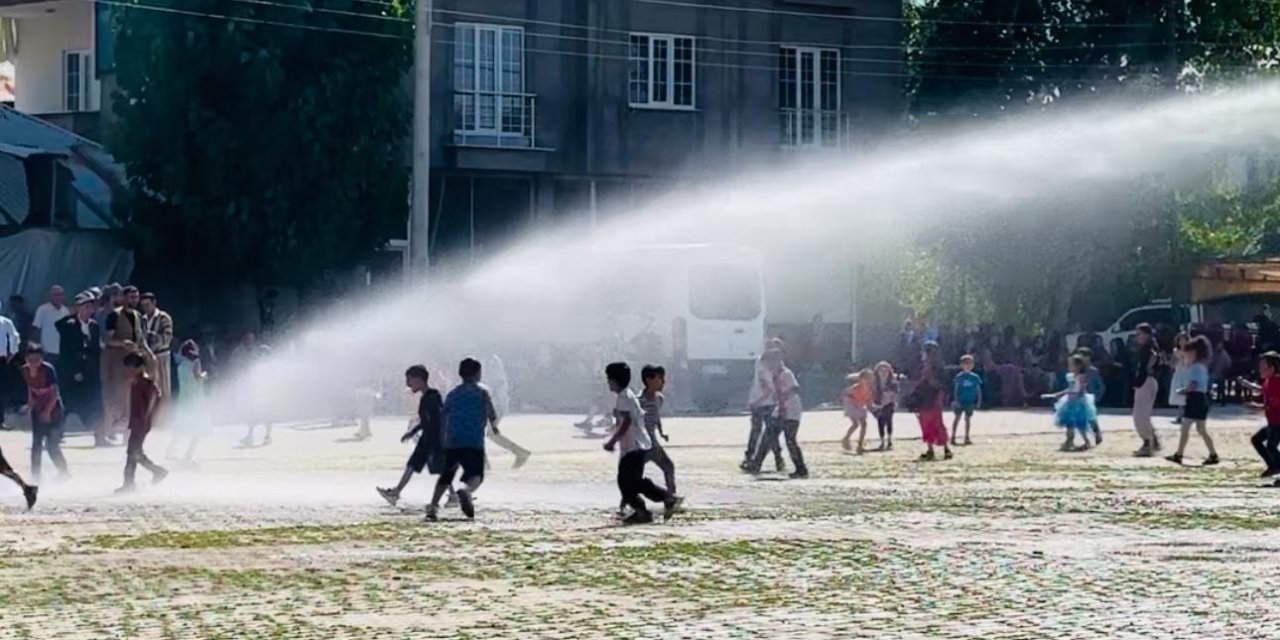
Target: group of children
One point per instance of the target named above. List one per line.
(451, 433)
(44, 402)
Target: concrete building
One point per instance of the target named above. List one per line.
(54, 47)
(560, 108)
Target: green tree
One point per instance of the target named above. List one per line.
(263, 143)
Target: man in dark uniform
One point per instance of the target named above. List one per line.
(80, 340)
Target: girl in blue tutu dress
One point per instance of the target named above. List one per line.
(1075, 408)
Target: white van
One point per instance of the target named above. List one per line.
(701, 309)
(1159, 312)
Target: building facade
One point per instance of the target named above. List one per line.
(55, 49)
(561, 108)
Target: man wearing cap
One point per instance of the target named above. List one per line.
(80, 338)
(46, 323)
(158, 327)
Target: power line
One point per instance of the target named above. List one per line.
(723, 50)
(838, 16)
(216, 16)
(895, 47)
(724, 65)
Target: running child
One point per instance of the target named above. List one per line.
(44, 402)
(967, 394)
(884, 402)
(191, 418)
(925, 400)
(857, 401)
(29, 491)
(1075, 408)
(785, 421)
(428, 453)
(1096, 386)
(762, 400)
(654, 378)
(468, 412)
(144, 397)
(634, 444)
(1267, 439)
(1195, 392)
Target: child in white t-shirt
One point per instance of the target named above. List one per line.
(633, 443)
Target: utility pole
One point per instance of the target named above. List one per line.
(420, 190)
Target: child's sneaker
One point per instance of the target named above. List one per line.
(639, 517)
(1175, 458)
(1210, 461)
(389, 495)
(159, 476)
(928, 456)
(889, 446)
(1271, 471)
(29, 492)
(846, 445)
(802, 474)
(669, 508)
(432, 515)
(947, 455)
(1144, 451)
(967, 441)
(466, 503)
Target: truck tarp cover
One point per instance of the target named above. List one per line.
(1231, 278)
(34, 260)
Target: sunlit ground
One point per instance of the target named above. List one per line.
(1009, 540)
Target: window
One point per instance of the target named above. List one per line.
(77, 78)
(809, 96)
(661, 71)
(488, 79)
(724, 292)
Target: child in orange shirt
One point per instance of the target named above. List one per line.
(857, 398)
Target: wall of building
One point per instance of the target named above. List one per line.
(45, 31)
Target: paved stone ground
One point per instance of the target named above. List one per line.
(1009, 540)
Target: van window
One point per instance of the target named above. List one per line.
(724, 292)
(1153, 317)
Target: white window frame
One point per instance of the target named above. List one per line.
(794, 55)
(498, 30)
(670, 40)
(84, 83)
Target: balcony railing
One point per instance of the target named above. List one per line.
(495, 119)
(814, 129)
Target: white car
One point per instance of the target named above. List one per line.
(1116, 337)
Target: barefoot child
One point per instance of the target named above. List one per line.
(1267, 439)
(857, 400)
(967, 393)
(633, 443)
(468, 411)
(1196, 354)
(144, 397)
(428, 453)
(884, 402)
(1075, 408)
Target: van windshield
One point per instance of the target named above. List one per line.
(724, 292)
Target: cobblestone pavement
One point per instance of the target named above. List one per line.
(1010, 540)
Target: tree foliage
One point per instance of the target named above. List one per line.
(262, 152)
(1072, 259)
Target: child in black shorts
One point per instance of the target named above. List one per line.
(28, 491)
(428, 453)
